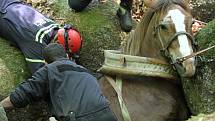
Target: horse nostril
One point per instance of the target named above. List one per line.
(190, 68)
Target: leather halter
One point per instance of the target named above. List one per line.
(164, 51)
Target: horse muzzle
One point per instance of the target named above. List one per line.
(186, 68)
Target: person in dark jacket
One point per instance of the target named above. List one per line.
(73, 93)
(31, 31)
(124, 11)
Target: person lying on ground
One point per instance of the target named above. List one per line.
(72, 92)
(30, 31)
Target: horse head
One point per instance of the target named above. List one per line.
(173, 30)
(165, 33)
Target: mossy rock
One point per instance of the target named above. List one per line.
(12, 67)
(200, 90)
(99, 27)
(203, 117)
(203, 9)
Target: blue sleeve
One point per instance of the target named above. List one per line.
(31, 90)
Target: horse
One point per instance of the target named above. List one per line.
(164, 33)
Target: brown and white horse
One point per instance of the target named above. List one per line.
(164, 33)
(165, 28)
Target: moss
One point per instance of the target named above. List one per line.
(203, 117)
(206, 38)
(13, 68)
(196, 118)
(200, 89)
(99, 27)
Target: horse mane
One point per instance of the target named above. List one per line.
(138, 36)
(164, 4)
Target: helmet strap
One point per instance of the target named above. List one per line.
(66, 34)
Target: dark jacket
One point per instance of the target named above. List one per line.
(69, 87)
(28, 29)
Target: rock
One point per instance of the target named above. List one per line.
(203, 9)
(203, 117)
(98, 26)
(200, 90)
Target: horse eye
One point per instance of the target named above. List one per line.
(164, 27)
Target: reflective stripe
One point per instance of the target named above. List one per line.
(45, 32)
(35, 60)
(43, 29)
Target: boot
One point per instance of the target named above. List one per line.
(125, 19)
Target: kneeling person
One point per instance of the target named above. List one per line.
(73, 93)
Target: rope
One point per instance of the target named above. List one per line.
(195, 54)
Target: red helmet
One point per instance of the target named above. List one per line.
(70, 39)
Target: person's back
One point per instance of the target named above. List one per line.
(72, 92)
(73, 89)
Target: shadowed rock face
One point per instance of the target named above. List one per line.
(203, 9)
(200, 90)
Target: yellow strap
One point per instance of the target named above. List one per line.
(124, 110)
(35, 60)
(118, 88)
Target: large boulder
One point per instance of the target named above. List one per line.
(98, 25)
(200, 90)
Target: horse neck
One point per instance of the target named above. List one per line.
(151, 45)
(142, 42)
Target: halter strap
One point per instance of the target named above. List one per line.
(164, 50)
